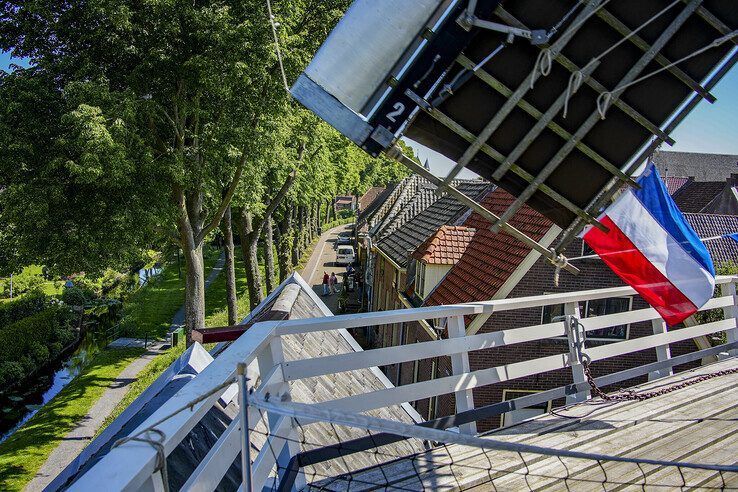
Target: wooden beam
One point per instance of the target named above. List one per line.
(594, 84)
(610, 189)
(518, 94)
(594, 117)
(218, 334)
(490, 151)
(714, 21)
(533, 111)
(540, 125)
(621, 28)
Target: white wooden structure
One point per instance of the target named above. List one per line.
(134, 465)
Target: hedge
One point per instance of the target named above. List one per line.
(28, 305)
(33, 342)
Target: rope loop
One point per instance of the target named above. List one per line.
(157, 444)
(604, 101)
(559, 261)
(575, 82)
(542, 67)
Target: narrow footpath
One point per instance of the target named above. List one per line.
(323, 260)
(78, 438)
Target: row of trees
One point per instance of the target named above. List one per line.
(141, 123)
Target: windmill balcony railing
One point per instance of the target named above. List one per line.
(136, 465)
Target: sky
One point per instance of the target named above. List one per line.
(710, 128)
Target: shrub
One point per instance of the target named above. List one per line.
(74, 296)
(28, 305)
(32, 342)
(345, 214)
(27, 280)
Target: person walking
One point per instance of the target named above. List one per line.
(334, 281)
(326, 280)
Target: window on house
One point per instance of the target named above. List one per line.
(586, 250)
(510, 418)
(420, 280)
(590, 309)
(600, 307)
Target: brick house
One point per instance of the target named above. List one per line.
(495, 266)
(344, 202)
(394, 271)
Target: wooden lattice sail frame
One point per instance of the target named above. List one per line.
(487, 84)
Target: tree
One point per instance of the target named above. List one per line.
(146, 112)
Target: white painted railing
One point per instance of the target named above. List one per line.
(134, 465)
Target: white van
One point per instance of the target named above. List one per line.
(345, 255)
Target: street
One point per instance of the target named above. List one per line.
(323, 261)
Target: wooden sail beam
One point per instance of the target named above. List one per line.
(496, 155)
(533, 111)
(594, 84)
(518, 94)
(610, 189)
(621, 28)
(540, 125)
(711, 19)
(594, 117)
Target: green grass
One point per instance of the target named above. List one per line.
(216, 310)
(24, 453)
(216, 314)
(49, 287)
(150, 309)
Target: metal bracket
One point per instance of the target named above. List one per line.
(383, 136)
(468, 19)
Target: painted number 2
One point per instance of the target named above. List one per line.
(398, 109)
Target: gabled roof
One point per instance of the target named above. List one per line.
(366, 214)
(490, 259)
(675, 183)
(415, 194)
(419, 223)
(371, 194)
(722, 250)
(695, 196)
(702, 167)
(446, 246)
(348, 199)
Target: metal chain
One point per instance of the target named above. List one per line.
(633, 395)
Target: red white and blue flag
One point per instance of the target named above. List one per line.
(652, 247)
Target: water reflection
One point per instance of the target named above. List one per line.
(145, 274)
(20, 405)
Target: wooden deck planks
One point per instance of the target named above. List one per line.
(666, 427)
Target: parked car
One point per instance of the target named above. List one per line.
(345, 255)
(344, 240)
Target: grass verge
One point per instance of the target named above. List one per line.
(150, 309)
(25, 452)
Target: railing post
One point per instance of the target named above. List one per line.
(729, 312)
(270, 357)
(663, 352)
(575, 333)
(460, 365)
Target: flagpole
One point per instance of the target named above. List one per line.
(588, 257)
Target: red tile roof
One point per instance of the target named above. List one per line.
(490, 258)
(446, 246)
